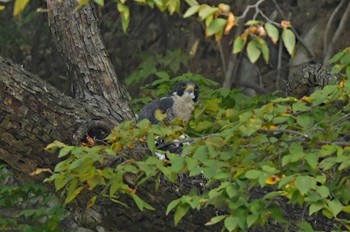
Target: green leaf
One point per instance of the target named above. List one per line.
(141, 203)
(304, 184)
(336, 57)
(125, 13)
(334, 206)
(55, 145)
(305, 121)
(201, 153)
(264, 49)
(348, 72)
(328, 163)
(65, 151)
(151, 143)
(252, 125)
(323, 191)
(81, 4)
(252, 22)
(72, 193)
(231, 222)
(251, 219)
(238, 45)
(231, 191)
(289, 41)
(328, 149)
(300, 106)
(60, 181)
(253, 174)
(315, 207)
(177, 163)
(19, 6)
(305, 226)
(312, 160)
(253, 51)
(191, 11)
(272, 32)
(191, 163)
(180, 211)
(215, 220)
(215, 141)
(286, 160)
(345, 60)
(100, 2)
(215, 26)
(172, 205)
(192, 2)
(205, 11)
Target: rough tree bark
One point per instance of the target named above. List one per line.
(33, 114)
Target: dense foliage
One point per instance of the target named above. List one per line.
(27, 206)
(293, 149)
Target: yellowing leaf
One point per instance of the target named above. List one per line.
(273, 180)
(91, 202)
(272, 32)
(215, 220)
(230, 23)
(205, 11)
(191, 11)
(19, 6)
(2, 7)
(289, 41)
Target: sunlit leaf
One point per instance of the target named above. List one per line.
(215, 220)
(217, 25)
(191, 11)
(334, 206)
(205, 11)
(289, 40)
(231, 222)
(304, 184)
(141, 203)
(253, 51)
(272, 32)
(180, 211)
(238, 45)
(19, 6)
(172, 205)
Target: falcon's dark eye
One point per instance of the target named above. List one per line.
(184, 86)
(196, 88)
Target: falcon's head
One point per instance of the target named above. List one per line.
(186, 89)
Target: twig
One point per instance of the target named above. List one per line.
(256, 6)
(329, 26)
(222, 57)
(311, 53)
(279, 64)
(338, 32)
(285, 131)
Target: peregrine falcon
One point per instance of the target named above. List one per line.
(179, 103)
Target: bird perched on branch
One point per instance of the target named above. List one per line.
(179, 103)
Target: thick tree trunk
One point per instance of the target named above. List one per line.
(33, 114)
(78, 39)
